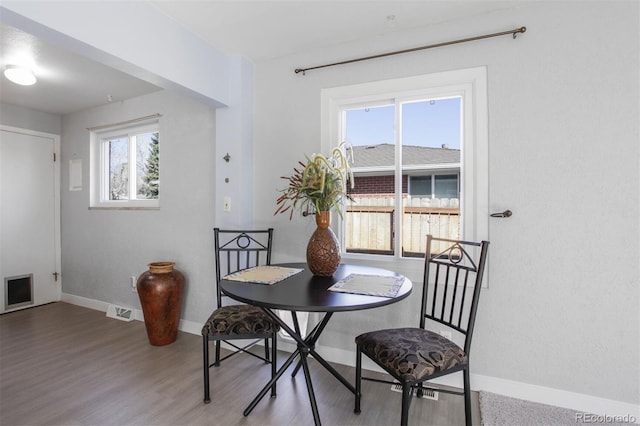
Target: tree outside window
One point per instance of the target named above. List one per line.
(150, 187)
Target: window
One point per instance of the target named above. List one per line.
(434, 186)
(125, 170)
(420, 160)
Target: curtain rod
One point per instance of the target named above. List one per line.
(124, 123)
(513, 32)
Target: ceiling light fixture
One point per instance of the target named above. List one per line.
(20, 75)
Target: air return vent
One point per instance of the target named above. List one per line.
(121, 313)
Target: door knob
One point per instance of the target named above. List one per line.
(506, 213)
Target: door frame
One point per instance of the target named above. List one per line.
(56, 201)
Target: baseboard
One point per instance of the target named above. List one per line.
(540, 394)
(186, 326)
(556, 397)
(84, 302)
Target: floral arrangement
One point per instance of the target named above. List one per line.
(320, 183)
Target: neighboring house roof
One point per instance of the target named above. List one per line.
(382, 155)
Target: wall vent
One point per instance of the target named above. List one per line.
(121, 313)
(18, 291)
(431, 394)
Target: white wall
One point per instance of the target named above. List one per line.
(234, 136)
(26, 118)
(101, 249)
(561, 310)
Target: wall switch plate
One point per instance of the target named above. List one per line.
(226, 204)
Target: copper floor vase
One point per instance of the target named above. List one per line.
(161, 290)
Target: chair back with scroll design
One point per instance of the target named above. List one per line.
(451, 298)
(236, 250)
(453, 272)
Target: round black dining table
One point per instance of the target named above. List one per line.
(304, 292)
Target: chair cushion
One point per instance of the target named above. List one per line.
(237, 320)
(412, 354)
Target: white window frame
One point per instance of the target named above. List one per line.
(99, 165)
(471, 84)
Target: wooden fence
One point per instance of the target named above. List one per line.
(369, 224)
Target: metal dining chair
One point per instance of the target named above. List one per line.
(236, 250)
(453, 274)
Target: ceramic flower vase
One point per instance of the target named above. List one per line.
(161, 291)
(323, 250)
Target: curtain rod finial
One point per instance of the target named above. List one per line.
(519, 30)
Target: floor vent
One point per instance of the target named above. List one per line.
(118, 312)
(431, 394)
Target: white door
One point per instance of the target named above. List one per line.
(29, 218)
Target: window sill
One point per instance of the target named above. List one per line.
(123, 208)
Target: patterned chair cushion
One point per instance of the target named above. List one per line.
(238, 319)
(411, 353)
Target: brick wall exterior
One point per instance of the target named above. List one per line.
(377, 185)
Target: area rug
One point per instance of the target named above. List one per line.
(499, 410)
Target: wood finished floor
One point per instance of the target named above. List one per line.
(62, 364)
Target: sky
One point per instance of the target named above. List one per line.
(430, 123)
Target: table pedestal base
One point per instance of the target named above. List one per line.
(305, 348)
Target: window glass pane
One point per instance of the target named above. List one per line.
(147, 166)
(430, 137)
(431, 123)
(446, 186)
(118, 149)
(420, 186)
(369, 217)
(372, 130)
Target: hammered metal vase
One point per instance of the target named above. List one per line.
(323, 250)
(161, 291)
